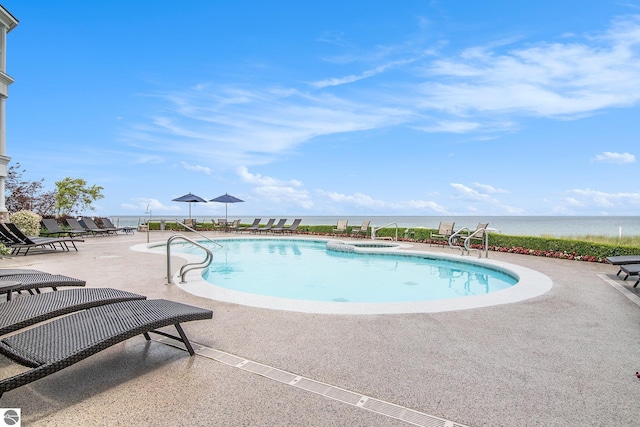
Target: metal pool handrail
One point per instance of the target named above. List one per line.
(188, 266)
(465, 246)
(373, 230)
(486, 243)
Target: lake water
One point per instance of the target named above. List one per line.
(512, 225)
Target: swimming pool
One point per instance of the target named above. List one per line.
(374, 278)
(312, 270)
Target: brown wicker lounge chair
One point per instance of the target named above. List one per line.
(32, 282)
(27, 311)
(53, 346)
(12, 271)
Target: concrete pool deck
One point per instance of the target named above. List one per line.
(565, 358)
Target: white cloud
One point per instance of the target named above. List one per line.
(368, 203)
(196, 168)
(468, 193)
(481, 90)
(260, 180)
(614, 201)
(617, 158)
(547, 79)
(424, 204)
(356, 199)
(364, 75)
(489, 188)
(273, 190)
(482, 199)
(144, 204)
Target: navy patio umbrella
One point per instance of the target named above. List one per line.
(226, 199)
(190, 198)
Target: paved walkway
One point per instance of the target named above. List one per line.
(566, 358)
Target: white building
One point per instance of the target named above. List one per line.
(7, 23)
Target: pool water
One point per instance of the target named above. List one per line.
(306, 270)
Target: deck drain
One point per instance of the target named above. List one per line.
(336, 393)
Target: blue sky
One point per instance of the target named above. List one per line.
(332, 108)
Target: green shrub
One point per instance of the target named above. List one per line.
(28, 222)
(4, 250)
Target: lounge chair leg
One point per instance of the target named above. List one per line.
(185, 340)
(146, 336)
(636, 284)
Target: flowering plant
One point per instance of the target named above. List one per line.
(547, 253)
(27, 221)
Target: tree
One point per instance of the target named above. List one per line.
(27, 195)
(74, 196)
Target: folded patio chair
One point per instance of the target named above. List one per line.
(363, 230)
(279, 227)
(91, 224)
(253, 227)
(267, 226)
(34, 281)
(109, 225)
(631, 270)
(22, 312)
(445, 230)
(622, 260)
(22, 241)
(341, 226)
(53, 346)
(52, 228)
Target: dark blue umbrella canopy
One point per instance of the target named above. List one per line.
(226, 199)
(190, 198)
